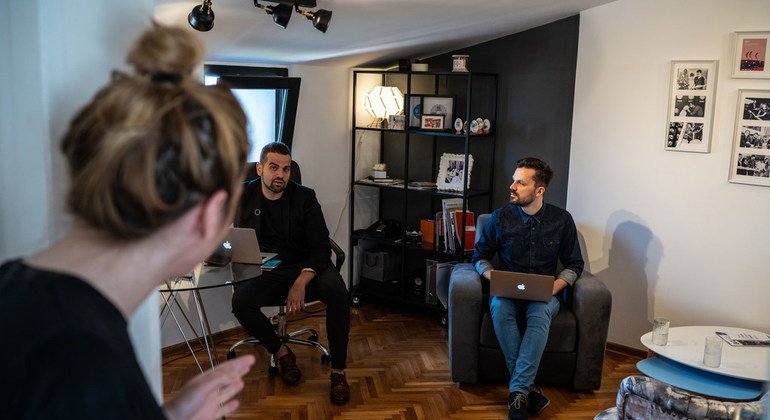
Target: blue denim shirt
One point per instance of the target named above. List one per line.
(530, 244)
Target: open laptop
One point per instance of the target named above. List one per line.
(524, 286)
(240, 246)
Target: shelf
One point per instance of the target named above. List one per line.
(438, 133)
(472, 193)
(430, 73)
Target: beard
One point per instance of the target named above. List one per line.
(520, 200)
(276, 186)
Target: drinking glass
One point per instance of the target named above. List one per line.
(712, 352)
(660, 331)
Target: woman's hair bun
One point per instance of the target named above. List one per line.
(165, 50)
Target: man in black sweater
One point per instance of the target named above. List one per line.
(288, 220)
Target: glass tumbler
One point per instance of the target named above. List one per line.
(660, 331)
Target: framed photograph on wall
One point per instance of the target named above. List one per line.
(691, 106)
(750, 162)
(440, 105)
(451, 171)
(750, 53)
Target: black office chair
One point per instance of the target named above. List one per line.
(280, 319)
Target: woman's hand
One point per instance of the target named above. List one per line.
(210, 395)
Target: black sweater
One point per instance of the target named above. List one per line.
(305, 232)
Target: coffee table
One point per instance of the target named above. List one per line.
(740, 375)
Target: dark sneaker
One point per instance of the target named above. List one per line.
(537, 401)
(339, 392)
(517, 406)
(289, 370)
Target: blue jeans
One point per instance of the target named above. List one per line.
(522, 353)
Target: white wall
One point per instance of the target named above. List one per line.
(55, 56)
(665, 230)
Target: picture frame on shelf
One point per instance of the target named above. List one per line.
(396, 122)
(440, 105)
(750, 161)
(692, 92)
(451, 172)
(432, 122)
(750, 53)
(415, 110)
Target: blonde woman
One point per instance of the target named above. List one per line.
(156, 163)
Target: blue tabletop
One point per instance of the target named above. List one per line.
(699, 381)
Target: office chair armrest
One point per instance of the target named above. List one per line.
(339, 254)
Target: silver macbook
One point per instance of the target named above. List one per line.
(242, 247)
(526, 286)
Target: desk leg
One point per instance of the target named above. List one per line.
(173, 299)
(181, 331)
(204, 321)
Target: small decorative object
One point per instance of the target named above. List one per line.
(420, 67)
(431, 122)
(474, 127)
(750, 162)
(660, 331)
(691, 106)
(451, 172)
(750, 55)
(415, 110)
(440, 105)
(486, 126)
(460, 62)
(396, 122)
(465, 127)
(458, 126)
(379, 171)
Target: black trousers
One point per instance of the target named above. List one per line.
(272, 288)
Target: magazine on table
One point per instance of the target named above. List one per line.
(745, 339)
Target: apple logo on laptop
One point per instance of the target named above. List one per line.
(521, 287)
(227, 245)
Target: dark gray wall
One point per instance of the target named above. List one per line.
(535, 99)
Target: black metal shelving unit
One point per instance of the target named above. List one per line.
(476, 90)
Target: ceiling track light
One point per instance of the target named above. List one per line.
(281, 13)
(320, 17)
(201, 18)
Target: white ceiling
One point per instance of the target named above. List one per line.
(363, 32)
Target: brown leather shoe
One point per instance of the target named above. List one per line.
(289, 370)
(339, 392)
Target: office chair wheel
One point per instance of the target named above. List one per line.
(313, 338)
(325, 359)
(272, 371)
(444, 321)
(231, 355)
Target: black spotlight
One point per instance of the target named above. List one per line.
(281, 14)
(320, 18)
(201, 17)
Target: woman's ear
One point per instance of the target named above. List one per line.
(212, 214)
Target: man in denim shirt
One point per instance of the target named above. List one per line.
(529, 236)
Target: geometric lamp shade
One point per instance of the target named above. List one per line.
(382, 101)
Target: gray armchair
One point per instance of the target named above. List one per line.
(573, 355)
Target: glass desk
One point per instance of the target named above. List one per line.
(203, 277)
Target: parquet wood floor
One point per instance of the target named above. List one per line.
(398, 369)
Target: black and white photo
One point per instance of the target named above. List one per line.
(756, 109)
(755, 137)
(689, 106)
(694, 78)
(753, 165)
(452, 172)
